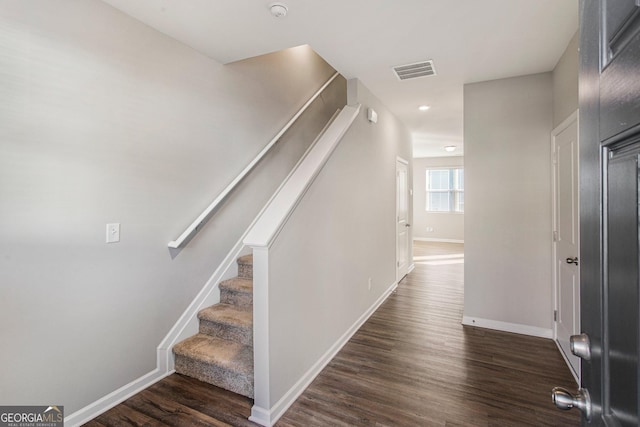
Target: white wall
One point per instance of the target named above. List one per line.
(507, 127)
(318, 289)
(105, 120)
(565, 83)
(446, 226)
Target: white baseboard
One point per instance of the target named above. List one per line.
(429, 239)
(261, 416)
(268, 417)
(515, 328)
(411, 268)
(187, 324)
(96, 408)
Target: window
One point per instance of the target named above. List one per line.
(445, 190)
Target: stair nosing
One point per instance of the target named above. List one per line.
(228, 322)
(248, 368)
(245, 259)
(225, 284)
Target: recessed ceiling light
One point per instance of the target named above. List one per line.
(450, 148)
(423, 107)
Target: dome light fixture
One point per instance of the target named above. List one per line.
(450, 148)
(279, 10)
(423, 107)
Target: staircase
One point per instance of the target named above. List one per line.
(222, 352)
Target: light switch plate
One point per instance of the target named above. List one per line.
(113, 233)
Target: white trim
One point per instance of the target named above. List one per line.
(515, 328)
(576, 375)
(260, 237)
(194, 226)
(412, 267)
(260, 416)
(102, 405)
(565, 123)
(405, 163)
(261, 354)
(274, 217)
(429, 239)
(268, 417)
(187, 324)
(573, 118)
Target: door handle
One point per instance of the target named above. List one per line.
(580, 346)
(407, 225)
(565, 400)
(572, 260)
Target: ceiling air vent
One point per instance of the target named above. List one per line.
(413, 71)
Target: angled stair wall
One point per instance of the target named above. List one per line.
(317, 274)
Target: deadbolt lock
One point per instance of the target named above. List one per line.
(580, 346)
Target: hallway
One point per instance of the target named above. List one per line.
(414, 364)
(411, 364)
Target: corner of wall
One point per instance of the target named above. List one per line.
(565, 82)
(352, 91)
(507, 127)
(317, 299)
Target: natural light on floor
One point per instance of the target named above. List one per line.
(439, 259)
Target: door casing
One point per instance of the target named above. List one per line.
(566, 242)
(403, 230)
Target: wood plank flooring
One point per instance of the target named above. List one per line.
(411, 364)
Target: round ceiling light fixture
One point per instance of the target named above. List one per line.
(279, 10)
(450, 148)
(423, 107)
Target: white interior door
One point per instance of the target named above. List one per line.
(402, 220)
(566, 238)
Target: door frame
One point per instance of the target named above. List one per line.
(410, 266)
(574, 117)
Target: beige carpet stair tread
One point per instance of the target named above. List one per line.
(226, 354)
(227, 314)
(222, 352)
(238, 284)
(237, 291)
(245, 266)
(246, 259)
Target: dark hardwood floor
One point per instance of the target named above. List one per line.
(411, 364)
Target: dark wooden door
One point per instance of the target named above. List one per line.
(609, 153)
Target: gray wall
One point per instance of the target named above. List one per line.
(507, 127)
(565, 83)
(446, 226)
(106, 120)
(347, 222)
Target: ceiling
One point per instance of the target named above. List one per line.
(468, 40)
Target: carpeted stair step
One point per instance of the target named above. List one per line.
(238, 292)
(227, 322)
(245, 266)
(216, 361)
(222, 353)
